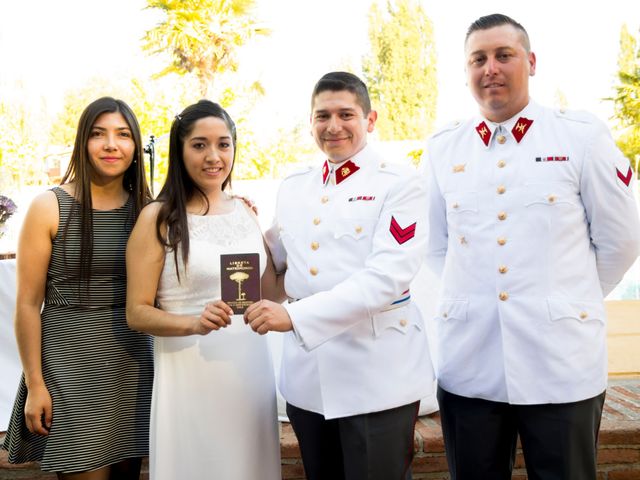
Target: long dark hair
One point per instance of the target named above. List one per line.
(79, 171)
(179, 188)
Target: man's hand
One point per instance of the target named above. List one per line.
(267, 316)
(248, 202)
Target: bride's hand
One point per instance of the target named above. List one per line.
(216, 315)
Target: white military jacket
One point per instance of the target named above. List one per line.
(532, 222)
(351, 242)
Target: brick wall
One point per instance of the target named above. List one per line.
(618, 453)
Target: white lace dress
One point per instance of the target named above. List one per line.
(213, 413)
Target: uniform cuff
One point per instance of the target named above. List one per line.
(296, 333)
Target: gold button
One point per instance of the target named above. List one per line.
(358, 229)
(403, 323)
(501, 164)
(315, 245)
(502, 241)
(383, 165)
(463, 240)
(316, 221)
(502, 216)
(583, 315)
(501, 189)
(324, 199)
(313, 271)
(503, 269)
(445, 315)
(501, 139)
(551, 198)
(455, 205)
(503, 296)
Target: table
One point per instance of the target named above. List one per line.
(10, 367)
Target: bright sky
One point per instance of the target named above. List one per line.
(53, 46)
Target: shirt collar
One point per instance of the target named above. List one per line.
(336, 173)
(515, 127)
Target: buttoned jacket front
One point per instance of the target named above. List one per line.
(350, 250)
(532, 222)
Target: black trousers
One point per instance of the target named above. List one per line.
(373, 446)
(559, 441)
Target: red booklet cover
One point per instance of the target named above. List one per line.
(240, 280)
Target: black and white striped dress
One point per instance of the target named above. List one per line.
(99, 372)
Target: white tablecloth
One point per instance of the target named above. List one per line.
(10, 368)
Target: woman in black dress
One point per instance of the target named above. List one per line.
(83, 402)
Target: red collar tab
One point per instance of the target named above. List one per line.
(521, 128)
(484, 132)
(325, 172)
(345, 171)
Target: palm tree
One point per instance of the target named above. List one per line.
(202, 36)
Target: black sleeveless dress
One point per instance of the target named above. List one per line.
(99, 372)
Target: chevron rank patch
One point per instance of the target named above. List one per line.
(623, 174)
(402, 235)
(625, 177)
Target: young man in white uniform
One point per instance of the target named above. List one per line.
(533, 221)
(351, 234)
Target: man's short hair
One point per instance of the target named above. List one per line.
(338, 81)
(497, 20)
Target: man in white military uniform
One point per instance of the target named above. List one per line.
(351, 235)
(532, 222)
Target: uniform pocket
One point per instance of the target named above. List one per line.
(397, 319)
(355, 228)
(462, 212)
(550, 194)
(580, 311)
(461, 202)
(452, 310)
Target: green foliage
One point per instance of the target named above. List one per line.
(271, 158)
(156, 104)
(201, 36)
(261, 156)
(401, 70)
(63, 129)
(627, 98)
(22, 157)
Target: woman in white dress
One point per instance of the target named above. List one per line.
(213, 413)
